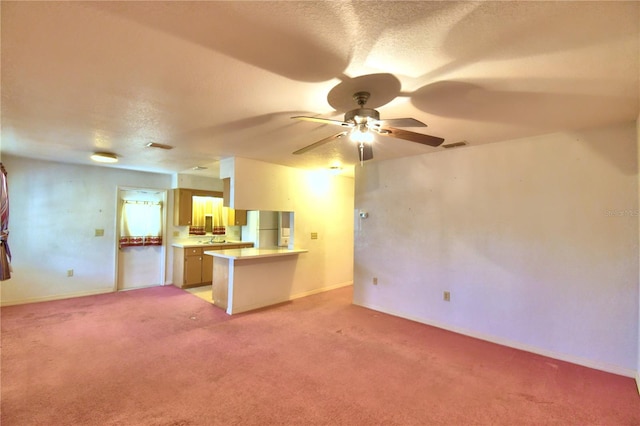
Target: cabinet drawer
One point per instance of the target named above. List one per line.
(193, 251)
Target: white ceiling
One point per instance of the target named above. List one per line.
(219, 79)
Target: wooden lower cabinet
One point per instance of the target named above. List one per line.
(193, 268)
(187, 266)
(207, 269)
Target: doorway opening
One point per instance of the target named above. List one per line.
(140, 238)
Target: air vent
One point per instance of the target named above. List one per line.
(455, 144)
(199, 168)
(158, 145)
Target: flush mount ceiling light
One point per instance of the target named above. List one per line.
(104, 157)
(199, 168)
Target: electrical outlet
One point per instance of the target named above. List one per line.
(375, 280)
(447, 296)
(314, 235)
(99, 233)
(69, 272)
(176, 233)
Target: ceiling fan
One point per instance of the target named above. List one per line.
(363, 123)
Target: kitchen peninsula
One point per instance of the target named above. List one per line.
(251, 278)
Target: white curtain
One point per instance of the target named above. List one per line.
(141, 223)
(209, 206)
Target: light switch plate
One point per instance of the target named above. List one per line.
(99, 232)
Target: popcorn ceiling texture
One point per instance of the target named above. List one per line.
(220, 79)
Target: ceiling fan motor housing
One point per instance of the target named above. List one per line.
(363, 115)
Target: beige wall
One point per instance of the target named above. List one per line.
(322, 203)
(206, 183)
(536, 239)
(56, 207)
(54, 211)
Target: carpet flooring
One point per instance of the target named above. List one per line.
(162, 356)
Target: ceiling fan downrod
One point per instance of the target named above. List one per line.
(361, 98)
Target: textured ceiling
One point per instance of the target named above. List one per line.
(219, 79)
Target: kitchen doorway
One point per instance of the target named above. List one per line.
(140, 238)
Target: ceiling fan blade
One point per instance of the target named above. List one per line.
(410, 136)
(403, 122)
(365, 152)
(319, 143)
(323, 120)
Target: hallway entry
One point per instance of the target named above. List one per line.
(140, 241)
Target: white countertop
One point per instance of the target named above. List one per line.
(253, 253)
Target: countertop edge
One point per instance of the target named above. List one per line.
(188, 245)
(253, 253)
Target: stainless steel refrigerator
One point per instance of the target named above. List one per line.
(261, 228)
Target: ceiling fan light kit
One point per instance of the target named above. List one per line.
(364, 123)
(361, 134)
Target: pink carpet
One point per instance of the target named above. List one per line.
(161, 356)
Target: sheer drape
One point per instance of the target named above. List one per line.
(5, 253)
(204, 207)
(141, 224)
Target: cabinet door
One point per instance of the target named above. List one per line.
(226, 192)
(192, 270)
(182, 206)
(241, 218)
(207, 267)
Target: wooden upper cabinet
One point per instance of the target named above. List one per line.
(226, 192)
(182, 206)
(237, 217)
(240, 218)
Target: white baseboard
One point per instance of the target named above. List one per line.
(614, 369)
(638, 381)
(56, 297)
(140, 288)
